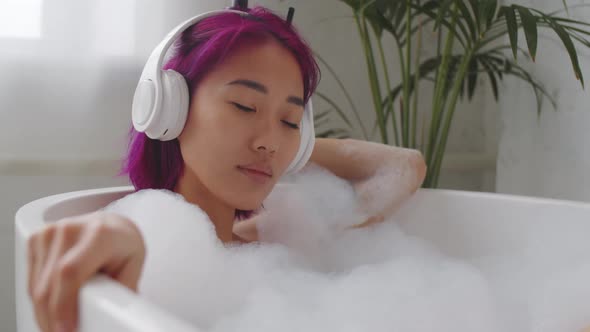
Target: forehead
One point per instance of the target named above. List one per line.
(265, 61)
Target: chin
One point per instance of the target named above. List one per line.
(249, 201)
(248, 206)
(248, 198)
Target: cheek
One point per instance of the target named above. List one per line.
(202, 141)
(291, 147)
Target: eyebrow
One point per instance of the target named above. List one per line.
(263, 89)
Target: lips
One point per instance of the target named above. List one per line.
(260, 174)
(260, 169)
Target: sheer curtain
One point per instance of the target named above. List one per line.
(69, 70)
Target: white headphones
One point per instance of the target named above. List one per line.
(161, 100)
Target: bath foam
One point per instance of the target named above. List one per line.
(313, 273)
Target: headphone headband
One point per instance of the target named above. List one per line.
(152, 70)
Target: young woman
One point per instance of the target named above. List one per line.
(249, 78)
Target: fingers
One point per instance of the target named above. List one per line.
(93, 252)
(31, 263)
(66, 254)
(48, 273)
(129, 274)
(63, 302)
(38, 245)
(52, 272)
(371, 221)
(123, 261)
(83, 259)
(64, 282)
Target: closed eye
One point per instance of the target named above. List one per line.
(249, 110)
(242, 107)
(291, 125)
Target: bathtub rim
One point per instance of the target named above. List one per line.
(123, 308)
(137, 313)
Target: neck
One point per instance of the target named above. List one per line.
(221, 215)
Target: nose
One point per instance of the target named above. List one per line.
(263, 148)
(266, 139)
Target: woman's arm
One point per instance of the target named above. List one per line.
(383, 176)
(356, 160)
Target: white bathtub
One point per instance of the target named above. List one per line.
(463, 224)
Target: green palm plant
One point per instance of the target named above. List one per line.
(475, 37)
(322, 120)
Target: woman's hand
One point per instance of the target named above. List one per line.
(383, 176)
(64, 255)
(396, 179)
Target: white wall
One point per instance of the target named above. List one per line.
(548, 156)
(65, 99)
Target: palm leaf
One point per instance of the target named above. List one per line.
(492, 76)
(565, 37)
(529, 24)
(346, 95)
(474, 4)
(571, 50)
(442, 16)
(489, 11)
(512, 26)
(469, 19)
(334, 106)
(472, 78)
(322, 119)
(565, 6)
(426, 68)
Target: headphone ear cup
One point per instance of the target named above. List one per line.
(143, 104)
(175, 103)
(307, 142)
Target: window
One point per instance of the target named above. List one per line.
(20, 19)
